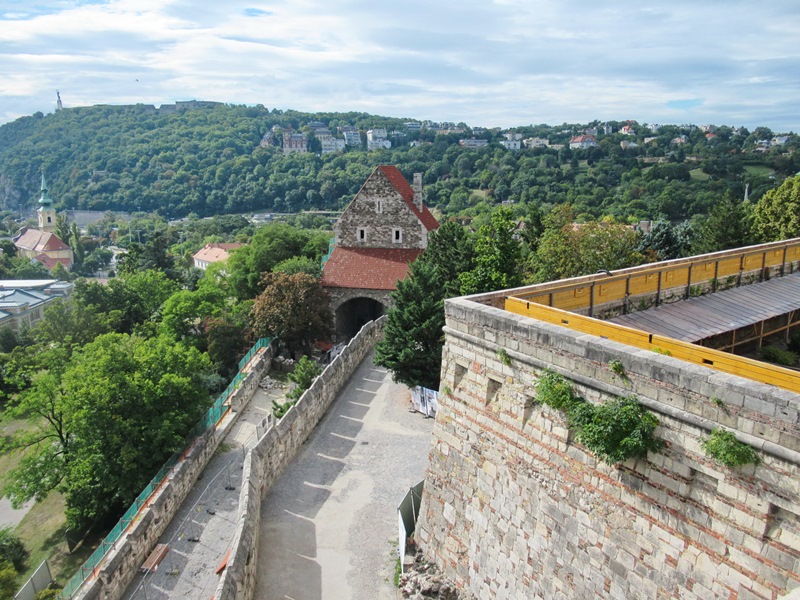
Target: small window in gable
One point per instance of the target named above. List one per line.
(362, 234)
(379, 206)
(397, 236)
(49, 219)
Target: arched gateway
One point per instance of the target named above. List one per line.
(381, 232)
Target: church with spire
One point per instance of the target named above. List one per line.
(42, 244)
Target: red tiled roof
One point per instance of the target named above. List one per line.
(40, 241)
(367, 268)
(216, 252)
(49, 262)
(399, 182)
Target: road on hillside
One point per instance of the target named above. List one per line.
(329, 525)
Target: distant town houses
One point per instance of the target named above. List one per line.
(352, 137)
(512, 141)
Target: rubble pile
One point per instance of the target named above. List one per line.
(422, 581)
(268, 383)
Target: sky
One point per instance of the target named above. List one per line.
(493, 63)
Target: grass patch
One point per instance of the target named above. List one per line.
(699, 175)
(758, 170)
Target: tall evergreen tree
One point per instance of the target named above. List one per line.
(451, 251)
(412, 344)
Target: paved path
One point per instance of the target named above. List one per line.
(208, 515)
(329, 526)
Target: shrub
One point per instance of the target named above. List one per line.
(723, 447)
(279, 409)
(304, 374)
(619, 429)
(555, 391)
(12, 549)
(615, 431)
(48, 594)
(777, 356)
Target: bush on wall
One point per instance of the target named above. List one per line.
(614, 431)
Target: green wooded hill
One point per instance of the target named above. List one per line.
(208, 161)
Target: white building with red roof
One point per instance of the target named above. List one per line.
(214, 253)
(582, 141)
(381, 232)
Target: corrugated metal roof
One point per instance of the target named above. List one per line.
(698, 318)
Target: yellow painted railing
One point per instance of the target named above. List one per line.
(715, 359)
(593, 290)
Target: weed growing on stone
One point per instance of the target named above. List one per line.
(723, 447)
(503, 357)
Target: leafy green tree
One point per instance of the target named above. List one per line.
(727, 226)
(110, 417)
(777, 214)
(293, 308)
(450, 250)
(665, 241)
(298, 264)
(497, 256)
(411, 347)
(270, 246)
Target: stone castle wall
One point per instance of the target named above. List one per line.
(514, 508)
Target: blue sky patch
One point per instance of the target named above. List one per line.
(256, 12)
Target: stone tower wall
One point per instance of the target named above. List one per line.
(515, 508)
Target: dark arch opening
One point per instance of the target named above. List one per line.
(352, 315)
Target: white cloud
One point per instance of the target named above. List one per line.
(493, 63)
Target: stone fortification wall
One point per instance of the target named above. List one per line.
(275, 450)
(128, 554)
(514, 508)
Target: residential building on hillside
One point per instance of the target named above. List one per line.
(22, 302)
(295, 142)
(536, 142)
(473, 143)
(380, 233)
(214, 253)
(376, 139)
(582, 141)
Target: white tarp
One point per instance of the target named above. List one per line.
(407, 514)
(425, 401)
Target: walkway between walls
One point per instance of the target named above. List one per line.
(329, 525)
(201, 532)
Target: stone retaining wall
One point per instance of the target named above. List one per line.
(514, 508)
(275, 450)
(129, 553)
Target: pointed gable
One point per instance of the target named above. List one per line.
(399, 182)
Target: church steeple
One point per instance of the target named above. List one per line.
(46, 212)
